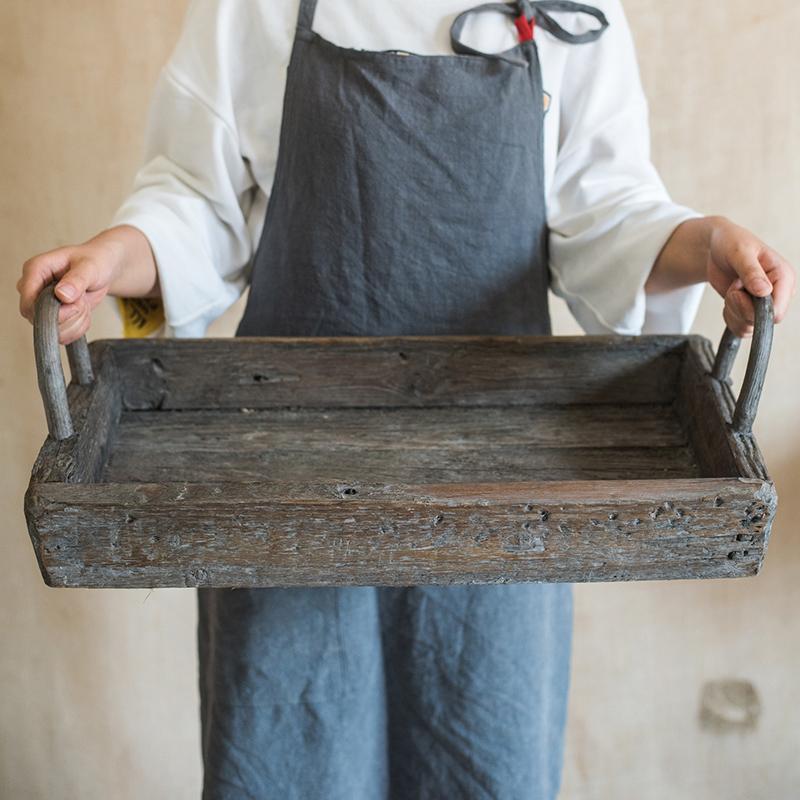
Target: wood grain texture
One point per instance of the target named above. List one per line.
(402, 444)
(397, 371)
(50, 374)
(284, 534)
(747, 405)
(95, 410)
(399, 461)
(706, 407)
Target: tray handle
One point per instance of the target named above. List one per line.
(747, 404)
(52, 384)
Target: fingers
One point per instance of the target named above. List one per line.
(80, 288)
(81, 277)
(74, 319)
(744, 259)
(741, 266)
(784, 282)
(36, 274)
(739, 329)
(76, 323)
(738, 312)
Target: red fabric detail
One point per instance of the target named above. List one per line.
(525, 27)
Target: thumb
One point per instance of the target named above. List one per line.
(82, 276)
(752, 274)
(37, 272)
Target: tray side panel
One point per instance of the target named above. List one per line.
(292, 534)
(705, 407)
(80, 459)
(396, 371)
(95, 413)
(402, 445)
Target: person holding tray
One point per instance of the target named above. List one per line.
(411, 168)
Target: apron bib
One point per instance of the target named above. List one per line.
(408, 199)
(409, 191)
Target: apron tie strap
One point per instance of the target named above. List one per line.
(551, 26)
(305, 16)
(527, 14)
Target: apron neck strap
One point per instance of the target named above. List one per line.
(305, 18)
(551, 26)
(529, 10)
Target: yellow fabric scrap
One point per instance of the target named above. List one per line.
(141, 316)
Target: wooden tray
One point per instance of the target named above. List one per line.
(397, 461)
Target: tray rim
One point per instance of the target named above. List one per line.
(746, 505)
(102, 399)
(65, 473)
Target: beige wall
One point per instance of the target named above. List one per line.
(97, 689)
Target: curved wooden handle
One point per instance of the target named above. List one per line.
(52, 384)
(747, 404)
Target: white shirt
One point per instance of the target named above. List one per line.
(212, 144)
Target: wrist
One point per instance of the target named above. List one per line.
(130, 262)
(683, 261)
(716, 226)
(109, 247)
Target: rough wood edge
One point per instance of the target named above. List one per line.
(757, 364)
(95, 411)
(665, 342)
(429, 371)
(230, 493)
(706, 407)
(49, 371)
(746, 505)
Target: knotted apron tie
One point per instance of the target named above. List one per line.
(527, 15)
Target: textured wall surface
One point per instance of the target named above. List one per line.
(97, 689)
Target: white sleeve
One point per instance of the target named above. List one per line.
(608, 210)
(192, 195)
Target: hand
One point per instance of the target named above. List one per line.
(118, 261)
(740, 265)
(85, 273)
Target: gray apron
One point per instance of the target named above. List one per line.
(408, 199)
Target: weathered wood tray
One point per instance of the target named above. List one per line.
(397, 461)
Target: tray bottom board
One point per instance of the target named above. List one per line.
(410, 445)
